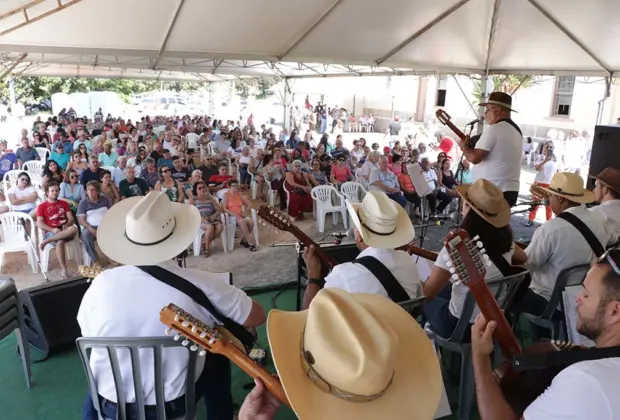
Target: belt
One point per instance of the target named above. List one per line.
(130, 407)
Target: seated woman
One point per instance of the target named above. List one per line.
(188, 188)
(232, 203)
(51, 170)
(210, 212)
(76, 164)
(167, 184)
(446, 178)
(243, 162)
(340, 173)
(71, 190)
(406, 186)
(109, 188)
(316, 175)
(486, 214)
(256, 169)
(299, 186)
(23, 196)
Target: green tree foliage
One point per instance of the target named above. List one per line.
(261, 87)
(509, 84)
(29, 90)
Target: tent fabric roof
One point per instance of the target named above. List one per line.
(211, 40)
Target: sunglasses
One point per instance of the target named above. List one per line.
(163, 171)
(607, 256)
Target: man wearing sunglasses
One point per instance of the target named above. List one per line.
(584, 390)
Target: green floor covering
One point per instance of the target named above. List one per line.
(59, 383)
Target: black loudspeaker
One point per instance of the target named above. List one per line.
(605, 151)
(50, 312)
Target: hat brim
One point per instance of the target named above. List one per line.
(403, 234)
(115, 245)
(605, 182)
(503, 105)
(415, 391)
(587, 197)
(503, 215)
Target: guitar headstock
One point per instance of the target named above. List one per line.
(467, 258)
(275, 217)
(192, 330)
(443, 116)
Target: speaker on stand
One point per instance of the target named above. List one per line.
(605, 151)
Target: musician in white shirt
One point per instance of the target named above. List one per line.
(557, 244)
(607, 193)
(584, 390)
(381, 226)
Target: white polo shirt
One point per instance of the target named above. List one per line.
(557, 245)
(610, 210)
(355, 278)
(125, 302)
(585, 390)
(502, 166)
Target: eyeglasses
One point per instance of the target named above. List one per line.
(200, 188)
(163, 171)
(607, 256)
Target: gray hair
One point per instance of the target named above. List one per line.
(374, 153)
(197, 172)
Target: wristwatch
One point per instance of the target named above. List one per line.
(318, 282)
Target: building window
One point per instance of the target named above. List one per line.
(564, 88)
(442, 87)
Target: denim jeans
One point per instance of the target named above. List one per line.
(437, 312)
(213, 385)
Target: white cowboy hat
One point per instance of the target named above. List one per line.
(147, 230)
(381, 221)
(569, 186)
(354, 356)
(487, 200)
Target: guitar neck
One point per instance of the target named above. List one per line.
(254, 370)
(492, 312)
(319, 252)
(421, 252)
(456, 130)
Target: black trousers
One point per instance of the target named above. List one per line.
(444, 200)
(511, 197)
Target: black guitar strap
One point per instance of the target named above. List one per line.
(511, 122)
(395, 291)
(592, 240)
(197, 295)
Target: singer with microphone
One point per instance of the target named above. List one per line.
(497, 154)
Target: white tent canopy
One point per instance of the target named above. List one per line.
(211, 40)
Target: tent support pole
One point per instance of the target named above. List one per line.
(601, 103)
(491, 35)
(471, 106)
(168, 32)
(28, 20)
(484, 84)
(570, 35)
(426, 28)
(12, 66)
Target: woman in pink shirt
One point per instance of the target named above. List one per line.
(340, 172)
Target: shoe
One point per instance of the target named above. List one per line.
(529, 223)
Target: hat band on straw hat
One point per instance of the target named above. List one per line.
(378, 220)
(156, 242)
(307, 360)
(559, 191)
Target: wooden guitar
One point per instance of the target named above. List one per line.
(445, 119)
(519, 387)
(282, 222)
(421, 252)
(197, 334)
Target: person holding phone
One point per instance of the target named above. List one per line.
(545, 170)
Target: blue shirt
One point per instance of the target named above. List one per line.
(26, 156)
(67, 146)
(108, 160)
(7, 162)
(61, 159)
(76, 195)
(164, 162)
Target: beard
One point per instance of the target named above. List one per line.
(591, 327)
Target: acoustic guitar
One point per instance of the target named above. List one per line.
(196, 334)
(445, 119)
(283, 222)
(520, 387)
(421, 252)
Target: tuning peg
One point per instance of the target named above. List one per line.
(203, 334)
(177, 337)
(452, 270)
(185, 324)
(202, 353)
(455, 277)
(448, 262)
(168, 331)
(475, 238)
(176, 318)
(193, 347)
(194, 329)
(185, 343)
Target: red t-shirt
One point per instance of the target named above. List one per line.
(219, 179)
(341, 174)
(54, 214)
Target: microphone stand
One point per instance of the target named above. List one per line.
(28, 239)
(457, 219)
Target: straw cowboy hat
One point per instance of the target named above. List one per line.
(354, 356)
(610, 177)
(501, 99)
(570, 187)
(487, 200)
(147, 230)
(381, 221)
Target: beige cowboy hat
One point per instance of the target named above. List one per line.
(500, 99)
(147, 230)
(381, 221)
(570, 187)
(354, 356)
(487, 200)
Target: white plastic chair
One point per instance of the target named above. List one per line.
(13, 237)
(223, 236)
(72, 249)
(9, 181)
(192, 140)
(353, 191)
(322, 196)
(212, 147)
(33, 167)
(232, 228)
(43, 153)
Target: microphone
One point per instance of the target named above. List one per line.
(342, 235)
(441, 217)
(437, 223)
(478, 120)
